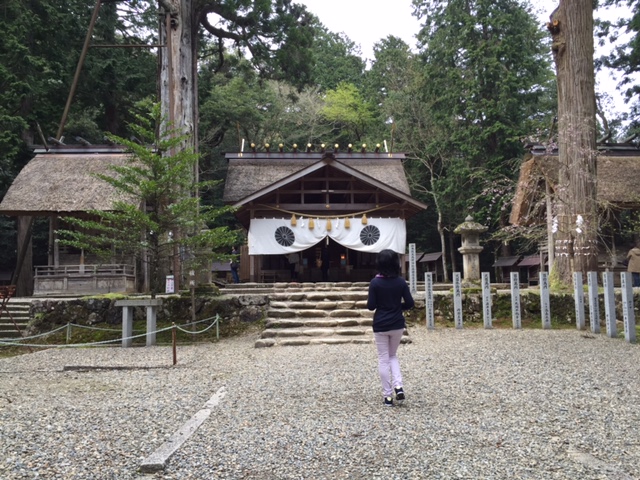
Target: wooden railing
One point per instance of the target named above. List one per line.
(80, 270)
(83, 279)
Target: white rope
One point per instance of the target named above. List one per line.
(44, 334)
(73, 345)
(87, 327)
(103, 342)
(217, 319)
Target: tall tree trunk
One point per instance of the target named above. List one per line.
(576, 247)
(178, 92)
(178, 95)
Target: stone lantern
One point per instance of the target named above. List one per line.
(470, 249)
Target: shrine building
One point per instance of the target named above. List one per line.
(339, 207)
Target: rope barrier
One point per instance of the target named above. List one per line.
(104, 342)
(198, 332)
(43, 334)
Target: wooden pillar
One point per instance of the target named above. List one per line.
(23, 274)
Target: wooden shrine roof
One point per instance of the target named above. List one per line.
(62, 182)
(254, 172)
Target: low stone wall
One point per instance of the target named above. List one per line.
(241, 310)
(236, 312)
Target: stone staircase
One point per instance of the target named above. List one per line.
(19, 308)
(313, 313)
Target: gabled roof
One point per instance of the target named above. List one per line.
(506, 261)
(251, 178)
(532, 260)
(250, 173)
(62, 182)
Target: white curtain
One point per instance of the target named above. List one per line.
(272, 236)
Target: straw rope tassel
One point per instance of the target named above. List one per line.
(364, 219)
(311, 224)
(328, 224)
(294, 221)
(347, 223)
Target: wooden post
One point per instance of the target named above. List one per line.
(457, 299)
(486, 300)
(23, 274)
(173, 343)
(515, 300)
(545, 304)
(578, 293)
(609, 304)
(594, 308)
(428, 291)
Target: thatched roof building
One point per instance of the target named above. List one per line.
(351, 204)
(618, 171)
(63, 181)
(317, 183)
(251, 173)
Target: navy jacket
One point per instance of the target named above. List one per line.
(386, 295)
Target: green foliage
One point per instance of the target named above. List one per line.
(348, 110)
(335, 59)
(480, 83)
(159, 213)
(277, 35)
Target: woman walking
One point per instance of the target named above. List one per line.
(389, 295)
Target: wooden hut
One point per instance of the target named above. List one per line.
(62, 182)
(430, 262)
(503, 267)
(530, 267)
(337, 208)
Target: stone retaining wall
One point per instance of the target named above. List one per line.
(236, 312)
(241, 310)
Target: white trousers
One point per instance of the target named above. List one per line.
(388, 365)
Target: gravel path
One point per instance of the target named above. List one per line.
(481, 404)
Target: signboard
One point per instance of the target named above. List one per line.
(170, 285)
(578, 294)
(413, 275)
(609, 304)
(594, 308)
(545, 306)
(515, 300)
(486, 300)
(628, 314)
(428, 290)
(457, 299)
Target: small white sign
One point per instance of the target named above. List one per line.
(170, 285)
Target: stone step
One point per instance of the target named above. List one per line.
(312, 313)
(18, 312)
(17, 316)
(325, 305)
(310, 336)
(318, 322)
(8, 334)
(316, 297)
(307, 331)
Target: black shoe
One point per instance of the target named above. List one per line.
(388, 401)
(399, 394)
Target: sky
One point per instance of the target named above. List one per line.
(368, 21)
